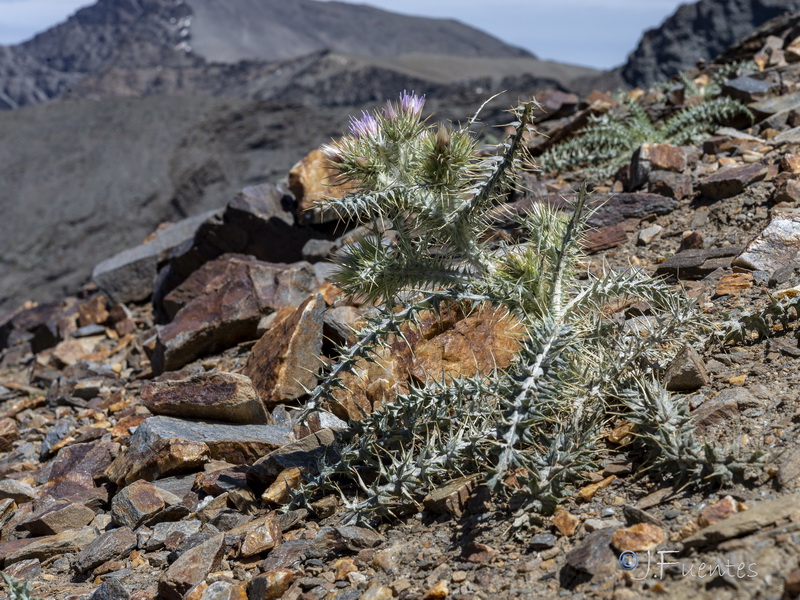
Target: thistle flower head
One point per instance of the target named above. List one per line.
(411, 104)
(366, 126)
(389, 111)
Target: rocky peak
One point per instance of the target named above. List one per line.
(701, 30)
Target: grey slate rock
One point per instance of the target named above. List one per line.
(258, 221)
(128, 276)
(107, 546)
(696, 263)
(110, 589)
(158, 447)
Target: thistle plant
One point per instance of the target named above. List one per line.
(531, 430)
(608, 142)
(18, 590)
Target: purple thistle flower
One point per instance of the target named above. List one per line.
(389, 111)
(366, 126)
(411, 104)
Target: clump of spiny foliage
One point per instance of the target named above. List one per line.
(18, 590)
(608, 141)
(529, 431)
(747, 325)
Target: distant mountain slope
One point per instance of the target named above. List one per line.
(126, 39)
(697, 31)
(280, 29)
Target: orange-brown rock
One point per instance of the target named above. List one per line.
(486, 339)
(587, 493)
(720, 510)
(638, 538)
(93, 311)
(258, 536)
(284, 363)
(451, 498)
(314, 179)
(451, 343)
(224, 301)
(191, 568)
(271, 585)
(69, 352)
(565, 522)
(280, 490)
(218, 396)
(733, 284)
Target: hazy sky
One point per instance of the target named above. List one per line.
(598, 33)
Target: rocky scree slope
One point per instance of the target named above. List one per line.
(120, 482)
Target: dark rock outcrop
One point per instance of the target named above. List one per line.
(697, 31)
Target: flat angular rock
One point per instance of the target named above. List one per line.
(259, 221)
(38, 325)
(164, 446)
(593, 557)
(271, 585)
(218, 396)
(445, 345)
(565, 522)
(57, 517)
(648, 234)
(18, 491)
(747, 89)
(191, 568)
(136, 503)
(66, 542)
(93, 312)
(304, 454)
(284, 363)
(71, 351)
(113, 544)
(604, 238)
(778, 245)
(110, 589)
(730, 182)
(224, 480)
(732, 284)
(161, 531)
(779, 104)
(128, 276)
(760, 515)
(450, 498)
(229, 307)
(670, 185)
(9, 432)
(719, 409)
(696, 263)
(686, 372)
(790, 136)
(74, 470)
(655, 157)
(638, 538)
(257, 536)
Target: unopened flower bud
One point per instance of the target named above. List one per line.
(332, 153)
(442, 139)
